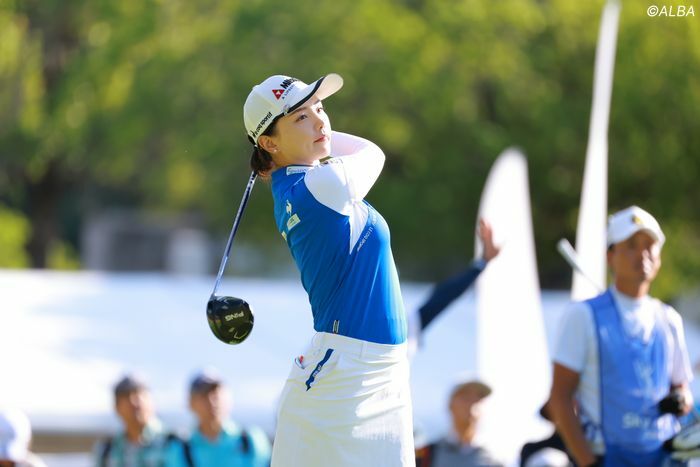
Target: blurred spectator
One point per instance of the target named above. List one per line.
(15, 439)
(458, 448)
(143, 442)
(217, 441)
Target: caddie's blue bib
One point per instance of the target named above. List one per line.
(634, 377)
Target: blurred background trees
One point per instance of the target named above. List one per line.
(139, 105)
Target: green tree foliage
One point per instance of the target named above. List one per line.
(13, 235)
(139, 104)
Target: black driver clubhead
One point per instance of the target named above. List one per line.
(230, 319)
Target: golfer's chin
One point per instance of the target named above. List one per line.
(323, 146)
(321, 151)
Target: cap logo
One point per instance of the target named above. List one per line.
(285, 84)
(285, 87)
(636, 220)
(260, 125)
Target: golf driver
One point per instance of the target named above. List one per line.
(231, 318)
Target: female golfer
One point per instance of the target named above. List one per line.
(346, 401)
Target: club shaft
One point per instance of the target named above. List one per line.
(571, 257)
(236, 222)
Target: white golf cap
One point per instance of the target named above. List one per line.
(279, 95)
(623, 224)
(15, 434)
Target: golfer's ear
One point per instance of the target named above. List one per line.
(268, 144)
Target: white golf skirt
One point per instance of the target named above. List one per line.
(346, 403)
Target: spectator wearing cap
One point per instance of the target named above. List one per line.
(143, 443)
(458, 448)
(217, 441)
(15, 440)
(621, 368)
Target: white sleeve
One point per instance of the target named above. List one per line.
(346, 178)
(574, 336)
(681, 371)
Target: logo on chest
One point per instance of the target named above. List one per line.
(293, 218)
(292, 221)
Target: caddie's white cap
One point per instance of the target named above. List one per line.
(279, 95)
(15, 434)
(623, 224)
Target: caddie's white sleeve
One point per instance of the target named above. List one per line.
(347, 177)
(574, 338)
(681, 370)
